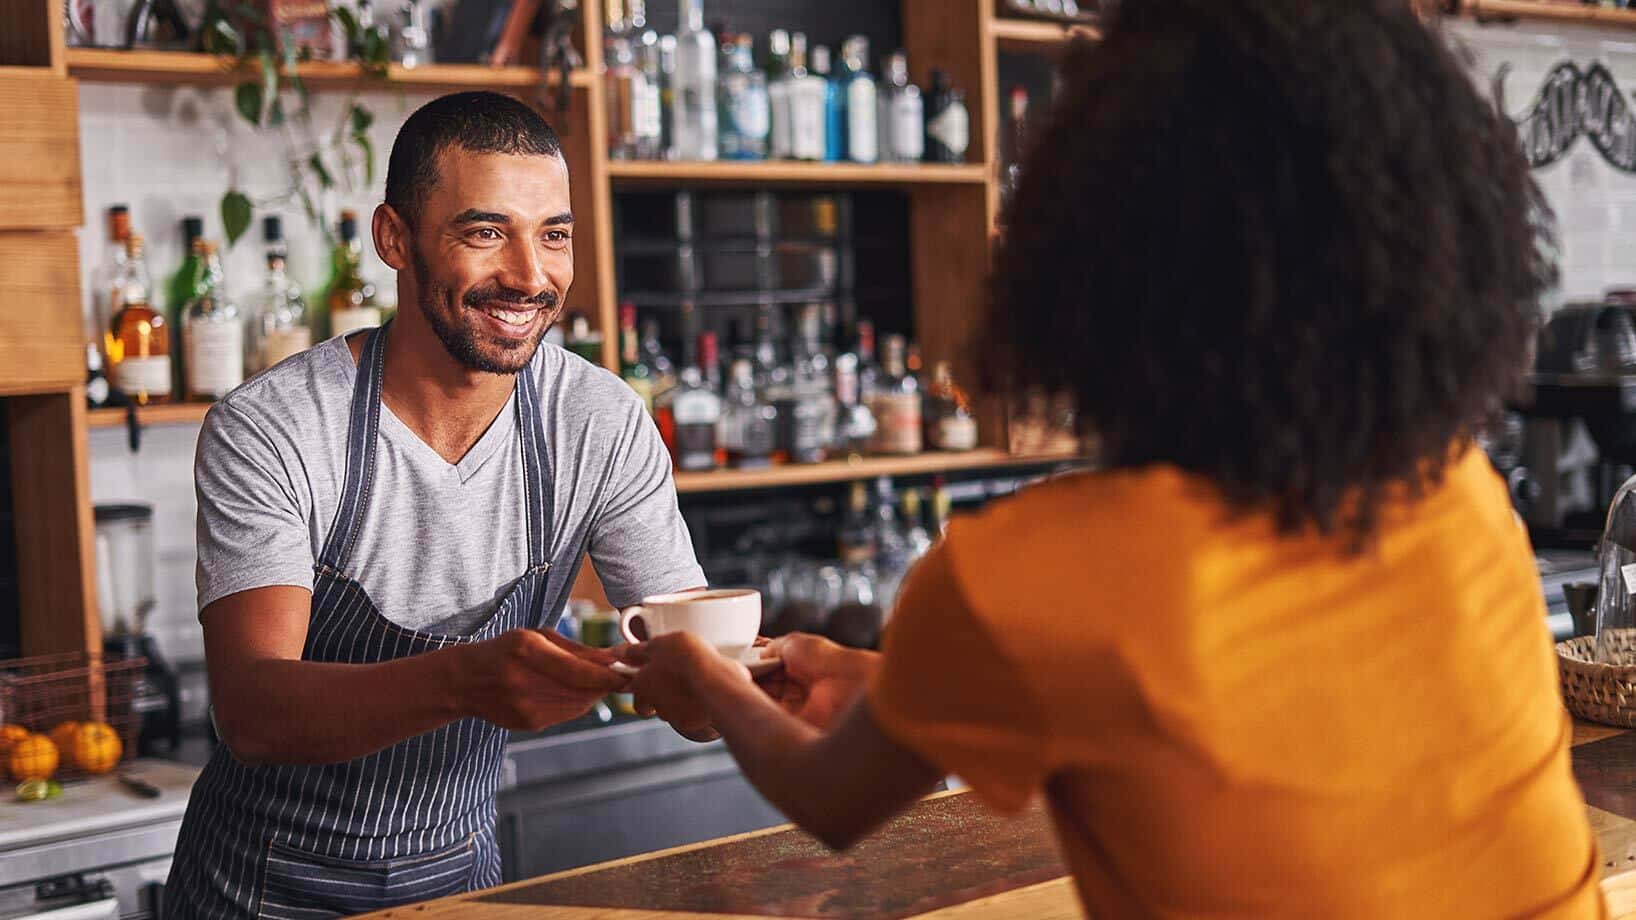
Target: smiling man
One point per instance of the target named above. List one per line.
(388, 527)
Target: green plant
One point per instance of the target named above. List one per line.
(274, 98)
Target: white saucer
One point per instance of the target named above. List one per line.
(750, 658)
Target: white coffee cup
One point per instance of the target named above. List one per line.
(727, 618)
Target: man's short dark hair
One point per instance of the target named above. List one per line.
(481, 122)
(1282, 244)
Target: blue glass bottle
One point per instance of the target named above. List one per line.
(834, 106)
(744, 104)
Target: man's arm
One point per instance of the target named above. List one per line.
(838, 786)
(272, 707)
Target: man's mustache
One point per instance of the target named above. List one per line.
(494, 293)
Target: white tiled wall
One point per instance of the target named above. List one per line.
(145, 147)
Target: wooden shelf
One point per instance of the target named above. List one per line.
(1030, 36)
(861, 468)
(168, 414)
(781, 172)
(1485, 10)
(182, 68)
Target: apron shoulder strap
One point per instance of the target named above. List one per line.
(537, 479)
(362, 428)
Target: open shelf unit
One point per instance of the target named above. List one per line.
(183, 68)
(857, 468)
(167, 414)
(1487, 10)
(758, 173)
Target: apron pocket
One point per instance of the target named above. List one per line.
(296, 883)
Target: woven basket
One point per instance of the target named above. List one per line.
(1604, 693)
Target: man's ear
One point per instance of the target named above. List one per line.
(393, 240)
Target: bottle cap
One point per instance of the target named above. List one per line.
(627, 315)
(349, 225)
(192, 229)
(708, 352)
(272, 229)
(119, 223)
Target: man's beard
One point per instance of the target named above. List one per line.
(461, 341)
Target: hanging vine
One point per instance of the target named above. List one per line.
(274, 99)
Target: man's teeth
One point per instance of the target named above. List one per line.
(511, 317)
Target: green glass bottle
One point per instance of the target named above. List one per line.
(185, 285)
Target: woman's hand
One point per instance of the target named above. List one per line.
(819, 678)
(677, 673)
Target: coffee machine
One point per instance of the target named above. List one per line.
(1570, 442)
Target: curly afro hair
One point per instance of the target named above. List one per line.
(1281, 244)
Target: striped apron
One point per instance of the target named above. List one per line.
(411, 822)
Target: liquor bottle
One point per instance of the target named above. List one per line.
(669, 111)
(948, 123)
(647, 103)
(947, 413)
(214, 333)
(619, 75)
(98, 391)
(351, 296)
(896, 403)
(778, 93)
(184, 286)
(855, 537)
(855, 423)
(745, 113)
(653, 353)
(582, 340)
(806, 407)
(139, 343)
(696, 128)
(697, 411)
(632, 369)
(891, 547)
(750, 426)
(869, 372)
(902, 114)
(834, 106)
(915, 534)
(770, 372)
(105, 281)
(278, 320)
(942, 502)
(807, 112)
(1012, 142)
(862, 97)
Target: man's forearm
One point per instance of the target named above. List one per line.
(281, 711)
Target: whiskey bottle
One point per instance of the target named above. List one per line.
(351, 297)
(632, 368)
(138, 344)
(896, 404)
(697, 411)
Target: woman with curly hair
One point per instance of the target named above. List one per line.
(1285, 654)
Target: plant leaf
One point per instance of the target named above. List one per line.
(221, 38)
(362, 140)
(362, 118)
(275, 113)
(349, 23)
(247, 97)
(316, 163)
(236, 212)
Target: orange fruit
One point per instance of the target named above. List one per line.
(63, 735)
(10, 735)
(96, 747)
(34, 757)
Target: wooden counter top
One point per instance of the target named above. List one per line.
(947, 858)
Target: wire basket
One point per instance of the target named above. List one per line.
(43, 692)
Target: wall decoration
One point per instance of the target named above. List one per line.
(1575, 103)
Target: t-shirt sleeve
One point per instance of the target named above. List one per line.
(252, 532)
(947, 691)
(639, 543)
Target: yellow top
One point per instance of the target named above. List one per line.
(1230, 723)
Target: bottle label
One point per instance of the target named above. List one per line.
(646, 113)
(96, 391)
(695, 446)
(279, 344)
(352, 319)
(952, 129)
(143, 376)
(897, 423)
(908, 129)
(807, 119)
(215, 357)
(804, 436)
(862, 133)
(956, 432)
(757, 438)
(778, 100)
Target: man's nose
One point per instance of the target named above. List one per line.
(524, 268)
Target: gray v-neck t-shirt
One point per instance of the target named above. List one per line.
(440, 544)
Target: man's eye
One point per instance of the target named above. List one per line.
(557, 236)
(486, 233)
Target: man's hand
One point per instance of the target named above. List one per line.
(529, 679)
(820, 679)
(676, 669)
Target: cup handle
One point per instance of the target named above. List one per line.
(625, 618)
